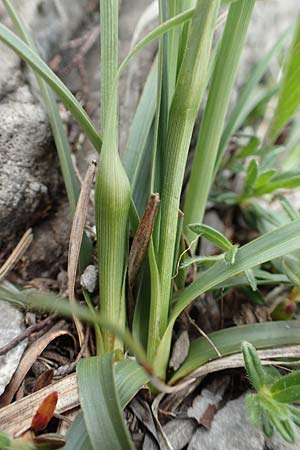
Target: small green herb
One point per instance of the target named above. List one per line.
(272, 407)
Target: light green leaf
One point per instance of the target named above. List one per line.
(212, 235)
(251, 176)
(264, 178)
(100, 404)
(253, 366)
(267, 426)
(284, 428)
(42, 301)
(202, 261)
(231, 254)
(249, 149)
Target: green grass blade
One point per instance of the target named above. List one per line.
(129, 378)
(289, 95)
(228, 341)
(189, 91)
(42, 69)
(101, 405)
(109, 19)
(247, 97)
(155, 34)
(274, 244)
(215, 112)
(137, 158)
(77, 437)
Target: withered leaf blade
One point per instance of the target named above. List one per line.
(17, 253)
(44, 380)
(45, 412)
(142, 238)
(76, 239)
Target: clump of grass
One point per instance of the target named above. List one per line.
(188, 65)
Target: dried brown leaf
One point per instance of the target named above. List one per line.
(16, 418)
(17, 253)
(76, 239)
(141, 238)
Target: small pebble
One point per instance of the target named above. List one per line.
(89, 277)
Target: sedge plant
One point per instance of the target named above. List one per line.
(138, 302)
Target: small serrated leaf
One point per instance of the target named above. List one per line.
(201, 261)
(230, 255)
(253, 366)
(284, 428)
(254, 409)
(212, 235)
(251, 176)
(250, 148)
(267, 426)
(265, 177)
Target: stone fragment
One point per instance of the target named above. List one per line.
(11, 325)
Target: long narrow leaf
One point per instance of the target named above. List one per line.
(129, 378)
(228, 341)
(101, 406)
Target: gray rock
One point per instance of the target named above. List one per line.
(11, 324)
(270, 19)
(29, 172)
(231, 430)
